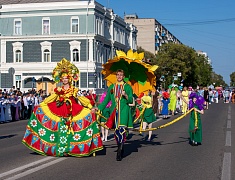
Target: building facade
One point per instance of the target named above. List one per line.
(36, 34)
(151, 34)
(199, 52)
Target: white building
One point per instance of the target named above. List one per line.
(36, 34)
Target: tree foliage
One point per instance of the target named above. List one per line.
(217, 80)
(177, 58)
(194, 68)
(232, 79)
(147, 55)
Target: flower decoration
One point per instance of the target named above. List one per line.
(89, 132)
(63, 140)
(63, 129)
(61, 149)
(52, 137)
(199, 101)
(33, 123)
(77, 137)
(41, 132)
(166, 95)
(139, 74)
(65, 67)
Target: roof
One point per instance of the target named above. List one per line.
(4, 2)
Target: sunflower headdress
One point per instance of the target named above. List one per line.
(138, 73)
(65, 68)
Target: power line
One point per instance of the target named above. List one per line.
(201, 22)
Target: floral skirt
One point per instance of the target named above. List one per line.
(48, 134)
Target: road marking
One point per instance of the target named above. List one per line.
(228, 138)
(229, 109)
(229, 124)
(20, 175)
(229, 116)
(226, 171)
(25, 166)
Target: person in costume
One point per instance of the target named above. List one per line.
(138, 105)
(8, 108)
(92, 97)
(195, 126)
(121, 95)
(165, 102)
(2, 108)
(155, 95)
(106, 114)
(63, 123)
(206, 97)
(185, 98)
(173, 99)
(148, 115)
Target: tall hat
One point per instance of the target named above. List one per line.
(65, 68)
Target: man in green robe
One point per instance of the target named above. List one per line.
(121, 95)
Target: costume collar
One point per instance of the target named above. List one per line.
(120, 83)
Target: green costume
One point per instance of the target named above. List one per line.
(106, 114)
(195, 135)
(120, 104)
(149, 116)
(120, 113)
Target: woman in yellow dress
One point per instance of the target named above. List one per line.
(185, 98)
(173, 99)
(63, 123)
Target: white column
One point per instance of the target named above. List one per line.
(3, 51)
(91, 50)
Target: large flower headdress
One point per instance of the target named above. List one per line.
(199, 102)
(65, 68)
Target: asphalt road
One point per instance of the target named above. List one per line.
(167, 157)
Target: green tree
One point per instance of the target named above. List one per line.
(147, 55)
(232, 79)
(178, 58)
(205, 70)
(217, 80)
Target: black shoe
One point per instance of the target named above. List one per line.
(119, 156)
(119, 152)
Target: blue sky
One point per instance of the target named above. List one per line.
(215, 34)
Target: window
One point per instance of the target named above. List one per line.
(75, 55)
(46, 51)
(18, 56)
(74, 25)
(46, 26)
(17, 52)
(46, 55)
(75, 47)
(99, 25)
(18, 81)
(17, 27)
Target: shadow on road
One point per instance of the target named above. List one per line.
(8, 136)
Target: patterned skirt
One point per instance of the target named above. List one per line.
(53, 135)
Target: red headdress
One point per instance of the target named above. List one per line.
(166, 95)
